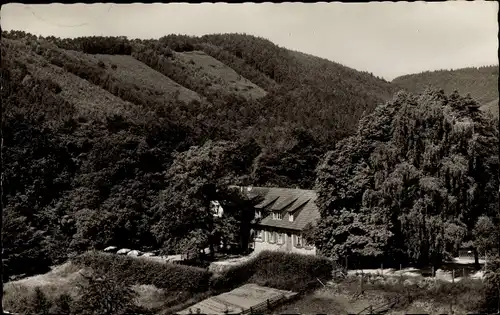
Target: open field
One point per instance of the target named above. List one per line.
(391, 297)
(218, 76)
(129, 70)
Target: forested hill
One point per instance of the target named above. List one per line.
(217, 87)
(481, 83)
(98, 131)
(110, 141)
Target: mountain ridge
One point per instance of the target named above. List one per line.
(480, 82)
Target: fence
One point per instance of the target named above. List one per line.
(273, 302)
(380, 308)
(264, 306)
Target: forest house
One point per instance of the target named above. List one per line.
(289, 212)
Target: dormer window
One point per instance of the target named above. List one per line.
(290, 217)
(277, 215)
(258, 214)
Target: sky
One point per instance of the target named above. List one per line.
(388, 39)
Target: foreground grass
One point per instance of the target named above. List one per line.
(167, 288)
(416, 296)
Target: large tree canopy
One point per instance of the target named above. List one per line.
(413, 181)
(198, 176)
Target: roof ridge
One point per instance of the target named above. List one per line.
(274, 187)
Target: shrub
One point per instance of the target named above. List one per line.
(101, 64)
(105, 295)
(40, 304)
(279, 270)
(62, 304)
(492, 283)
(132, 271)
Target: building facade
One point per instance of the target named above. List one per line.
(287, 212)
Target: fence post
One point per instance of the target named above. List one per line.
(251, 310)
(434, 275)
(453, 276)
(361, 281)
(268, 304)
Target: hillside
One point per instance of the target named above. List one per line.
(110, 141)
(93, 127)
(481, 83)
(217, 76)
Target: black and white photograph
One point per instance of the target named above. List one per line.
(250, 158)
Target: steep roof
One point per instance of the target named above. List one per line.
(288, 201)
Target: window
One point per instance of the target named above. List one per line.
(259, 235)
(299, 242)
(277, 215)
(307, 245)
(272, 237)
(281, 239)
(258, 214)
(290, 217)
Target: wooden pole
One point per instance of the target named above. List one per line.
(453, 276)
(434, 275)
(400, 273)
(361, 282)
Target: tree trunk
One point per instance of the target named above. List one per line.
(498, 244)
(244, 238)
(211, 246)
(476, 257)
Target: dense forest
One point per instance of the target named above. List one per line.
(111, 141)
(99, 131)
(418, 180)
(480, 82)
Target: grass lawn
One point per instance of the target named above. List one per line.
(427, 298)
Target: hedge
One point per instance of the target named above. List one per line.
(279, 270)
(132, 271)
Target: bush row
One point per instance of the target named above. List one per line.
(279, 270)
(132, 271)
(293, 272)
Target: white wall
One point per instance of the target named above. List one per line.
(264, 244)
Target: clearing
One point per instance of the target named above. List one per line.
(218, 76)
(131, 71)
(89, 100)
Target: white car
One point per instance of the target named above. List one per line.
(123, 251)
(135, 253)
(110, 249)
